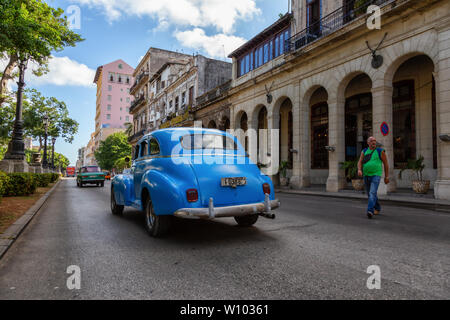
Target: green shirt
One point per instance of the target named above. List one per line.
(375, 166)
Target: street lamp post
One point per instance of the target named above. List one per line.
(53, 152)
(45, 162)
(16, 147)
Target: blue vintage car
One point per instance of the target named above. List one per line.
(192, 173)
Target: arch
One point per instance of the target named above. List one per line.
(212, 125)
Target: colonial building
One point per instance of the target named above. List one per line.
(213, 108)
(113, 82)
(149, 65)
(327, 80)
(167, 96)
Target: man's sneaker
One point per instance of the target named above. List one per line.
(376, 212)
(369, 215)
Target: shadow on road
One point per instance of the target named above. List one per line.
(209, 232)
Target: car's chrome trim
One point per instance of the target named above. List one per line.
(230, 211)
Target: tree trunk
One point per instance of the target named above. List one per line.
(7, 76)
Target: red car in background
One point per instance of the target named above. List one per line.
(70, 172)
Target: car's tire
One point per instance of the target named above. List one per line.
(115, 208)
(81, 184)
(157, 226)
(102, 184)
(246, 221)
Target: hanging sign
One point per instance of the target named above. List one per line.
(384, 129)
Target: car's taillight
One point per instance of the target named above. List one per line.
(266, 188)
(192, 195)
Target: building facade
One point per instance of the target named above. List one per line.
(315, 75)
(167, 96)
(147, 68)
(113, 102)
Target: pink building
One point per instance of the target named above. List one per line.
(113, 82)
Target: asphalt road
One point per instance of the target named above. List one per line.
(317, 248)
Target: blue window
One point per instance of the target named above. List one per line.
(277, 46)
(271, 50)
(260, 56)
(281, 44)
(242, 65)
(266, 53)
(251, 61)
(247, 64)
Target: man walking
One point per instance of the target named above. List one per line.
(370, 166)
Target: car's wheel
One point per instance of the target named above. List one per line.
(246, 221)
(81, 184)
(157, 226)
(102, 184)
(115, 208)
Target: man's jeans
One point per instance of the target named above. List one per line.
(372, 184)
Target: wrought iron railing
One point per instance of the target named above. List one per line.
(330, 23)
(137, 135)
(136, 103)
(141, 76)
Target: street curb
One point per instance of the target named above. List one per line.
(433, 204)
(12, 233)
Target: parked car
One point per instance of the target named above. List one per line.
(90, 175)
(192, 173)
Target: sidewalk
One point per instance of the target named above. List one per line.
(404, 197)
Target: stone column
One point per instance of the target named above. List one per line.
(382, 112)
(442, 79)
(336, 140)
(273, 145)
(296, 180)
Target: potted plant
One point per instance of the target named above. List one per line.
(351, 169)
(283, 173)
(417, 166)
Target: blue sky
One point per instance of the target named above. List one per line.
(125, 29)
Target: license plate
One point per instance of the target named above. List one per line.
(233, 182)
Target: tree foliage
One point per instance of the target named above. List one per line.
(31, 29)
(115, 147)
(35, 107)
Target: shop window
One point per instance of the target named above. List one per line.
(404, 129)
(319, 136)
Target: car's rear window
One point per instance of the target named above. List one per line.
(207, 141)
(91, 169)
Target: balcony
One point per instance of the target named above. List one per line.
(141, 78)
(330, 23)
(137, 135)
(136, 103)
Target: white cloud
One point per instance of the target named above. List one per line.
(63, 72)
(198, 13)
(217, 46)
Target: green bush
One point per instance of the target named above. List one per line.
(21, 184)
(55, 177)
(4, 179)
(43, 179)
(3, 184)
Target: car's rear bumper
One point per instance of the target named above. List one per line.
(92, 181)
(261, 208)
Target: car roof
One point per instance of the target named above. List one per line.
(169, 137)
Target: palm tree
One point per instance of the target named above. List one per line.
(129, 128)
